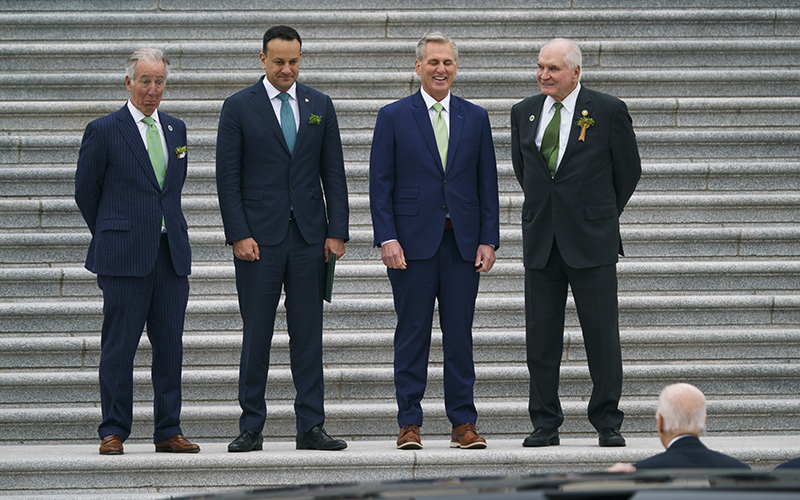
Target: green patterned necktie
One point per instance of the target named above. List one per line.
(549, 149)
(440, 132)
(287, 121)
(155, 151)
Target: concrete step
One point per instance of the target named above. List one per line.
(33, 249)
(202, 212)
(19, 117)
(493, 347)
(354, 312)
(359, 422)
(365, 385)
(383, 84)
(514, 19)
(369, 279)
(49, 180)
(395, 53)
(699, 144)
(71, 470)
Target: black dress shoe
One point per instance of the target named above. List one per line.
(542, 437)
(247, 441)
(318, 439)
(611, 437)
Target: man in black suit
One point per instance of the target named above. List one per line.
(283, 196)
(574, 154)
(681, 418)
(131, 170)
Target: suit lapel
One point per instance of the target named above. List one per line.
(264, 106)
(130, 132)
(304, 105)
(423, 120)
(533, 118)
(456, 126)
(582, 103)
(169, 154)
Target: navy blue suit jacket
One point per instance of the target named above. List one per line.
(118, 195)
(259, 180)
(580, 206)
(689, 453)
(409, 192)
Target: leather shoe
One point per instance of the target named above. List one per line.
(409, 438)
(318, 439)
(177, 444)
(611, 437)
(247, 441)
(542, 437)
(111, 445)
(466, 436)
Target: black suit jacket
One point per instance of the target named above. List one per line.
(689, 453)
(580, 206)
(259, 180)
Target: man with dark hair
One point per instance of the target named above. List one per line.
(283, 196)
(131, 170)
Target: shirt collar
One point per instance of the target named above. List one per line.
(272, 92)
(677, 438)
(138, 115)
(430, 101)
(568, 102)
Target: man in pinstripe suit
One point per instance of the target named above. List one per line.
(131, 170)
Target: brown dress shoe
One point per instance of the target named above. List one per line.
(466, 436)
(409, 438)
(111, 445)
(177, 444)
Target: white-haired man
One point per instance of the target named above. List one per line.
(681, 418)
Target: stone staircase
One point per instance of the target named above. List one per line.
(709, 289)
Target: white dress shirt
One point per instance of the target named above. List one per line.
(430, 101)
(272, 93)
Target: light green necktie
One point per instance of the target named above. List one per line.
(156, 153)
(440, 132)
(154, 150)
(287, 121)
(549, 149)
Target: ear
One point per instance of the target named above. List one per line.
(418, 67)
(263, 57)
(659, 423)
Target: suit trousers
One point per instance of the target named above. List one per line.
(157, 300)
(451, 280)
(595, 292)
(298, 268)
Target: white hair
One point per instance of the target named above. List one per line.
(683, 409)
(149, 54)
(573, 58)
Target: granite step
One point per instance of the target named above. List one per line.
(370, 280)
(358, 422)
(54, 180)
(390, 85)
(765, 241)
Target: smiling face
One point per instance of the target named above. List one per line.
(437, 69)
(281, 62)
(148, 86)
(554, 77)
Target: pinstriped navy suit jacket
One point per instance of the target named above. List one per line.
(118, 195)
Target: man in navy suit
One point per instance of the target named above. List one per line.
(681, 418)
(575, 156)
(434, 203)
(131, 170)
(283, 196)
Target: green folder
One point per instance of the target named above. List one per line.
(330, 266)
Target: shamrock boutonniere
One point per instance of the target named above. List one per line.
(180, 152)
(584, 123)
(314, 120)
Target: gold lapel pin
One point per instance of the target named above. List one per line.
(306, 100)
(169, 127)
(531, 118)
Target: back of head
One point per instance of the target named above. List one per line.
(683, 410)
